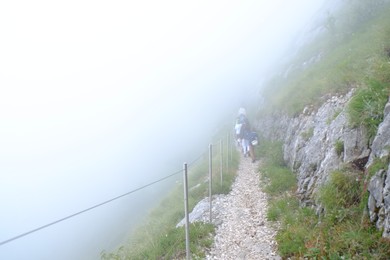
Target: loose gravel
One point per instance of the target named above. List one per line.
(243, 231)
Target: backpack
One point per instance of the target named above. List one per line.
(242, 119)
(241, 126)
(253, 138)
(244, 123)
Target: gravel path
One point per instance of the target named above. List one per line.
(243, 231)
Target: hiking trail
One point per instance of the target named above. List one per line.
(243, 231)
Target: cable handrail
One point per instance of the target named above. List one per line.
(85, 210)
(197, 159)
(99, 204)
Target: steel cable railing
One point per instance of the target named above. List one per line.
(87, 209)
(206, 155)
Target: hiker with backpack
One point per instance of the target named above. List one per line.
(253, 141)
(237, 128)
(247, 137)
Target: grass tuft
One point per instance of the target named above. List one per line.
(339, 147)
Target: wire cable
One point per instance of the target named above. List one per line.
(85, 210)
(197, 158)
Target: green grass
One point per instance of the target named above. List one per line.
(339, 147)
(353, 54)
(281, 206)
(280, 179)
(171, 245)
(339, 194)
(341, 231)
(277, 177)
(366, 107)
(308, 134)
(378, 164)
(271, 152)
(335, 115)
(158, 237)
(357, 50)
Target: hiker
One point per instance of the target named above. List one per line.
(251, 138)
(253, 141)
(237, 128)
(247, 137)
(242, 111)
(243, 122)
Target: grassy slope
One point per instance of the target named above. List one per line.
(354, 53)
(349, 54)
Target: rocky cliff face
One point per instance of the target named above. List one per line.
(317, 142)
(379, 186)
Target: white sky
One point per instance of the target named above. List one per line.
(84, 86)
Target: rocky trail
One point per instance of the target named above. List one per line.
(243, 231)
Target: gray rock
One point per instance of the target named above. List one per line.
(381, 145)
(375, 199)
(309, 141)
(380, 182)
(386, 206)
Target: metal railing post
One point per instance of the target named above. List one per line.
(227, 152)
(232, 146)
(221, 156)
(210, 178)
(185, 181)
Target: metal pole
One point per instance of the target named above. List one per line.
(186, 210)
(210, 177)
(232, 146)
(227, 153)
(221, 161)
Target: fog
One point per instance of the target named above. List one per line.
(98, 98)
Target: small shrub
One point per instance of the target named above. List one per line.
(342, 191)
(308, 134)
(378, 164)
(339, 147)
(335, 115)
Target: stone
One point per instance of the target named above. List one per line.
(309, 150)
(381, 145)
